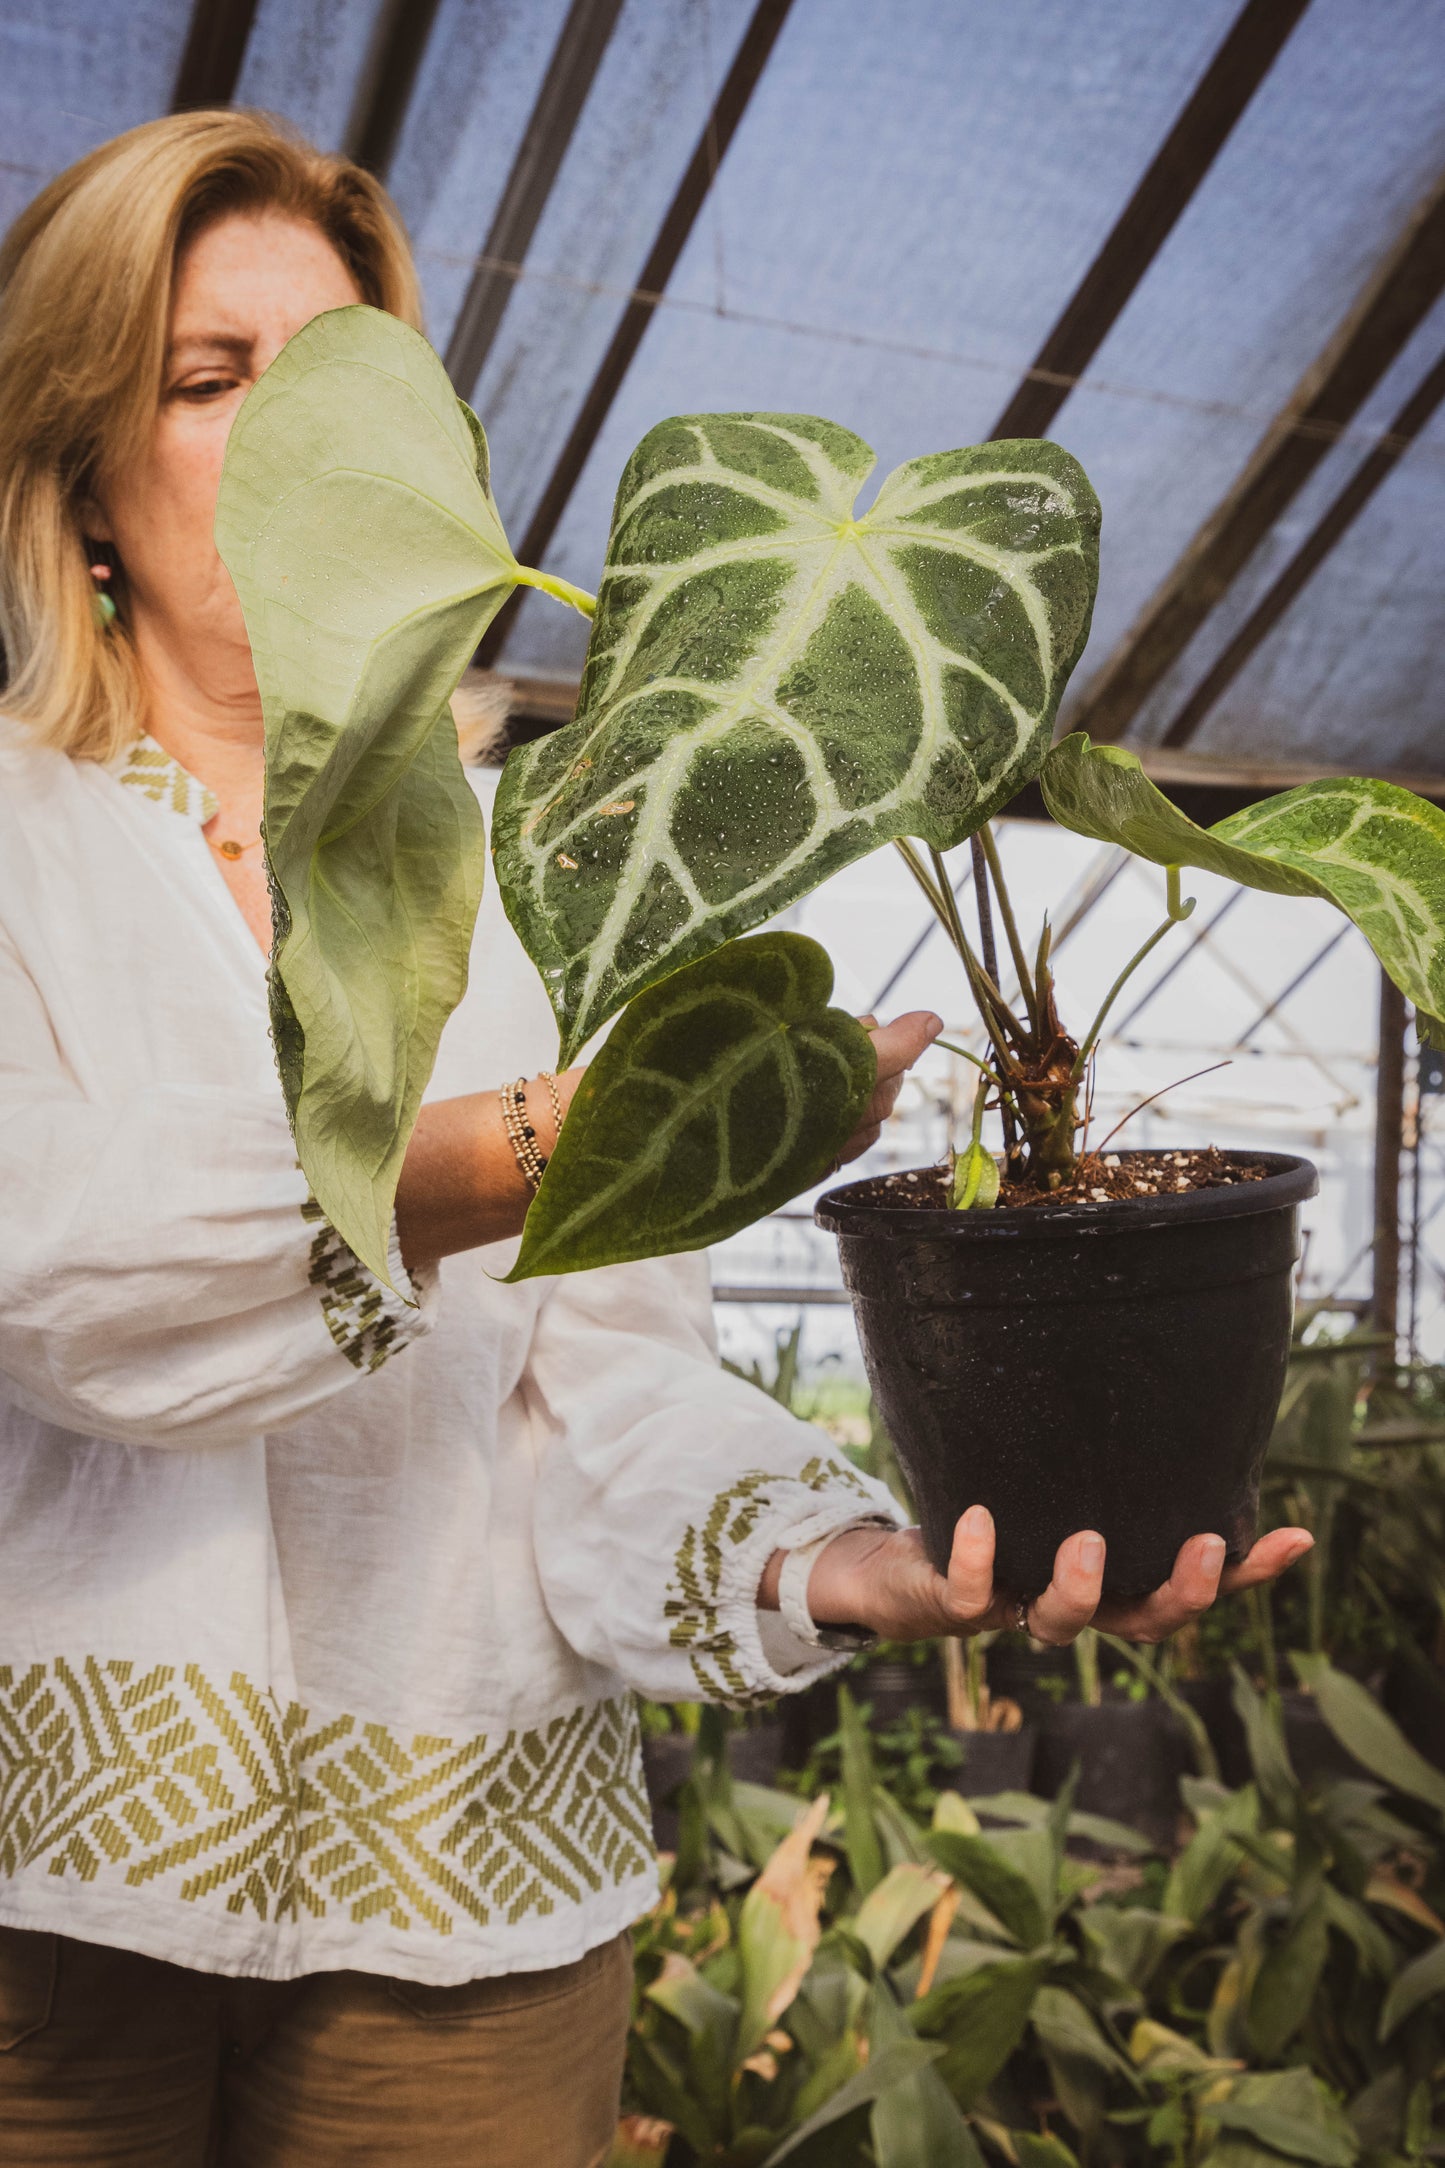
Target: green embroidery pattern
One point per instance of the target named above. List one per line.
(150, 769)
(695, 1591)
(354, 1305)
(219, 1792)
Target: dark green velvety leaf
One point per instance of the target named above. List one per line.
(720, 1094)
(1420, 1982)
(915, 2124)
(892, 2065)
(1373, 1737)
(1009, 1892)
(1374, 850)
(775, 687)
(1289, 2111)
(1285, 1985)
(981, 2019)
(369, 559)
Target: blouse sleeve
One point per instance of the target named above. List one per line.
(165, 1277)
(664, 1486)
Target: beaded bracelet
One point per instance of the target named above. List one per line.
(520, 1133)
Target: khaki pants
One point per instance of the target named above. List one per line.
(106, 2057)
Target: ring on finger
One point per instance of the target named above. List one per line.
(1021, 1616)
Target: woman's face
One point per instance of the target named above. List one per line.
(244, 286)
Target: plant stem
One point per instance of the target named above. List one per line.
(985, 909)
(1205, 1759)
(950, 901)
(1027, 986)
(990, 964)
(1086, 1663)
(924, 879)
(962, 1051)
(1263, 1620)
(987, 998)
(547, 583)
(1177, 913)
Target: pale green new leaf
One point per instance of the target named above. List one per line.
(368, 556)
(1374, 850)
(774, 687)
(975, 1179)
(721, 1093)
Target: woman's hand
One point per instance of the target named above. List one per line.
(897, 1046)
(881, 1578)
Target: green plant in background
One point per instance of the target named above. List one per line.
(965, 1991)
(775, 686)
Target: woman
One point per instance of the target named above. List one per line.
(321, 1815)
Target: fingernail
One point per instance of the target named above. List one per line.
(935, 1026)
(978, 1521)
(1211, 1553)
(1091, 1553)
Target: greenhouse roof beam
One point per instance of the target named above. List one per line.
(545, 142)
(718, 131)
(214, 51)
(387, 80)
(1395, 301)
(1151, 214)
(1311, 554)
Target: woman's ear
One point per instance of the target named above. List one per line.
(94, 524)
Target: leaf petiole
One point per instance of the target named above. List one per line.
(548, 583)
(1177, 909)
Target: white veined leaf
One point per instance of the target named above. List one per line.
(355, 520)
(1374, 850)
(775, 686)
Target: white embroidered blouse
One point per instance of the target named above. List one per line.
(321, 1614)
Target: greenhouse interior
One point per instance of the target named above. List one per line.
(994, 1900)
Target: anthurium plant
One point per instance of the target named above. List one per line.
(776, 685)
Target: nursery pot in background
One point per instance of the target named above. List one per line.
(1113, 1366)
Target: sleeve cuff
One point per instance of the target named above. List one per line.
(714, 1609)
(368, 1321)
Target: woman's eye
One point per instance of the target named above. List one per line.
(204, 388)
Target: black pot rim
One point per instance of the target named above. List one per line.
(1289, 1182)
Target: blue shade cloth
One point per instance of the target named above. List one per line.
(72, 74)
(913, 195)
(307, 59)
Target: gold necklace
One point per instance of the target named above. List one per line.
(230, 848)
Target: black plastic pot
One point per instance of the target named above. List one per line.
(1113, 1366)
(1130, 1756)
(994, 1761)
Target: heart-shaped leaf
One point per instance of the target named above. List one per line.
(356, 522)
(720, 1094)
(1374, 850)
(775, 687)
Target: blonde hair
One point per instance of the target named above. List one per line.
(86, 277)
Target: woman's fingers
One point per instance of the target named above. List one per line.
(1273, 1555)
(1199, 1577)
(1069, 1602)
(970, 1596)
(1190, 1589)
(897, 1046)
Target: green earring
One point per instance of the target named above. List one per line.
(104, 603)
